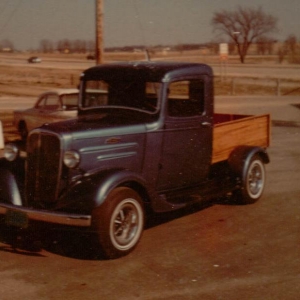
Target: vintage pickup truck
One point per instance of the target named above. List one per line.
(146, 139)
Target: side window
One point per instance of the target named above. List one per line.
(52, 102)
(96, 92)
(41, 103)
(186, 98)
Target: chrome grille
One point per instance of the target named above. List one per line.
(43, 169)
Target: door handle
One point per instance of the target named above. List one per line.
(206, 124)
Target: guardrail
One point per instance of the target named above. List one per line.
(224, 85)
(256, 86)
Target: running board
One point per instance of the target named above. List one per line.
(179, 198)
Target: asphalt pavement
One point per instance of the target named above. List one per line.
(217, 252)
(284, 110)
(222, 251)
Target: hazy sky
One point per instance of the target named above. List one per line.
(130, 22)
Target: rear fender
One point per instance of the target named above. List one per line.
(241, 156)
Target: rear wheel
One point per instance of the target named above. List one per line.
(253, 182)
(119, 222)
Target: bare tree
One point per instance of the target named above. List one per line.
(64, 46)
(265, 45)
(291, 43)
(281, 53)
(292, 48)
(46, 46)
(7, 45)
(244, 26)
(91, 46)
(75, 46)
(79, 46)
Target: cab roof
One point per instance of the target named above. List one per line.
(146, 70)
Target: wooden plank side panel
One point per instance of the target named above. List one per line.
(250, 131)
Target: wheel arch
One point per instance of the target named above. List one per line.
(121, 178)
(139, 187)
(241, 156)
(91, 191)
(10, 192)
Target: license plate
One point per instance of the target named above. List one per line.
(16, 218)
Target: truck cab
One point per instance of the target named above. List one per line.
(175, 106)
(143, 140)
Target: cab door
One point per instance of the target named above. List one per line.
(187, 139)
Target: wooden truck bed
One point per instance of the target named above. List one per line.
(231, 131)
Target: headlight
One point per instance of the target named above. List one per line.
(71, 159)
(11, 152)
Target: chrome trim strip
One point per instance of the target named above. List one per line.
(115, 155)
(49, 217)
(108, 147)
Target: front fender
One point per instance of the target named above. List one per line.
(91, 191)
(9, 190)
(11, 181)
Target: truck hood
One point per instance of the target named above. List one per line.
(108, 123)
(104, 141)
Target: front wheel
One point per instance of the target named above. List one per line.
(253, 182)
(119, 222)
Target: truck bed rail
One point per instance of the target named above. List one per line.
(231, 131)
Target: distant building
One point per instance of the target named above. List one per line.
(6, 49)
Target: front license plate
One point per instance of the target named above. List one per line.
(16, 218)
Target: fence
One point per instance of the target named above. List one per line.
(223, 85)
(256, 86)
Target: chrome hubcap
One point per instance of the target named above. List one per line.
(126, 225)
(255, 179)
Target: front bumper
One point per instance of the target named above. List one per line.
(14, 213)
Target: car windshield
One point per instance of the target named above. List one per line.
(131, 94)
(70, 101)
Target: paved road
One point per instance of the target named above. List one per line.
(285, 109)
(284, 71)
(217, 252)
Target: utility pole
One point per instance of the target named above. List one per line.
(99, 32)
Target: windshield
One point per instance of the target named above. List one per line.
(132, 94)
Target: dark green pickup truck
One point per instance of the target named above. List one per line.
(146, 138)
